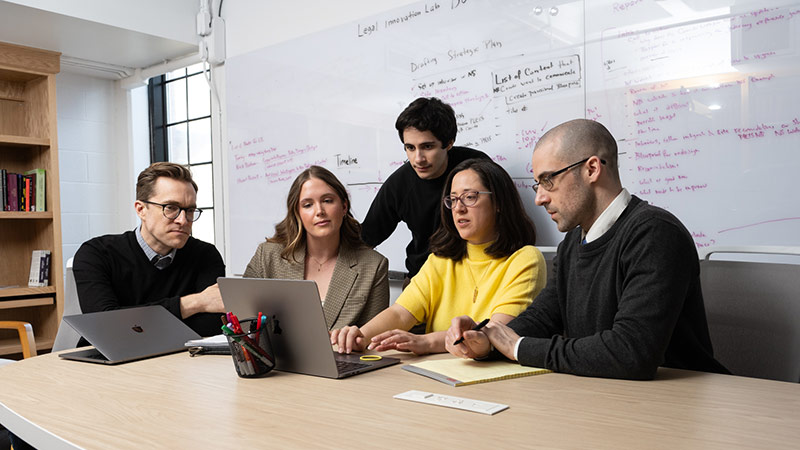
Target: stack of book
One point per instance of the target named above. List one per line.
(22, 192)
(40, 269)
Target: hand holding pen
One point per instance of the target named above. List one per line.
(474, 345)
(475, 328)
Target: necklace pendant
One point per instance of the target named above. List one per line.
(475, 295)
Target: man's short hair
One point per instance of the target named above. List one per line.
(147, 179)
(429, 114)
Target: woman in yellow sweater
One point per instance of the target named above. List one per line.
(482, 263)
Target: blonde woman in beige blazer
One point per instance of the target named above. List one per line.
(319, 240)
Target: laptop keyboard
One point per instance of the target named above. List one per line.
(349, 366)
(96, 355)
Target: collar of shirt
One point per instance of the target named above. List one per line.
(151, 254)
(609, 217)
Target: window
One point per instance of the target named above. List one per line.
(180, 132)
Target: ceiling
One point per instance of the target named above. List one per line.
(87, 46)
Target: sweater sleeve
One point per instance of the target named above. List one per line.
(655, 275)
(92, 270)
(523, 280)
(542, 318)
(210, 268)
(383, 215)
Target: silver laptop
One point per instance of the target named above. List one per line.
(298, 332)
(124, 335)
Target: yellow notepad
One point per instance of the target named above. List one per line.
(461, 372)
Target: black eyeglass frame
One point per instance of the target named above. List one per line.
(190, 217)
(547, 181)
(450, 204)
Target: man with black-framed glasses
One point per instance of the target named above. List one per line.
(158, 263)
(625, 295)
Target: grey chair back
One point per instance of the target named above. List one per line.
(753, 311)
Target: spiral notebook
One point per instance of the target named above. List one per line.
(461, 372)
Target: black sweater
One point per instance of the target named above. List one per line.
(622, 305)
(112, 272)
(408, 198)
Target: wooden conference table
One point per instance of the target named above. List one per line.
(177, 401)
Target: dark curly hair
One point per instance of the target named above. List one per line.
(429, 114)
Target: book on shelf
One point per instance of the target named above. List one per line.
(12, 196)
(26, 193)
(40, 269)
(23, 192)
(461, 372)
(3, 187)
(37, 194)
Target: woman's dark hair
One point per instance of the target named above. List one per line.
(514, 228)
(290, 232)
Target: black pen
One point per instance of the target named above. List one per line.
(477, 327)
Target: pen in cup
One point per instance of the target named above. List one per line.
(475, 328)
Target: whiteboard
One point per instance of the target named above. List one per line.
(701, 95)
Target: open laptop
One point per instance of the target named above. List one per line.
(298, 332)
(124, 335)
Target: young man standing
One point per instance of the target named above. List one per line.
(413, 193)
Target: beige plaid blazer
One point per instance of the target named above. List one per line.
(359, 287)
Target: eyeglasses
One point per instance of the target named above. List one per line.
(547, 181)
(467, 199)
(172, 212)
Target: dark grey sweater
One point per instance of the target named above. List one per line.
(623, 304)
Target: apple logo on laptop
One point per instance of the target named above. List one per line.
(137, 329)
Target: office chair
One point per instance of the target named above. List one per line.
(67, 338)
(25, 331)
(752, 310)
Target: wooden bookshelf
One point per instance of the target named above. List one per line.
(28, 140)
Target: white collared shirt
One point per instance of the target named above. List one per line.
(609, 216)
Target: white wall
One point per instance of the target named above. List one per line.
(172, 19)
(94, 159)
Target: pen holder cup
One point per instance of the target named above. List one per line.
(252, 352)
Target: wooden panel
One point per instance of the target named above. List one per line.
(15, 76)
(20, 239)
(26, 215)
(38, 120)
(7, 140)
(26, 291)
(21, 158)
(27, 59)
(42, 318)
(13, 115)
(11, 89)
(11, 346)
